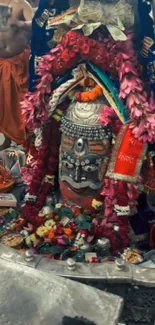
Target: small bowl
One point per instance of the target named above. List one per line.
(12, 240)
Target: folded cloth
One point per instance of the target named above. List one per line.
(13, 85)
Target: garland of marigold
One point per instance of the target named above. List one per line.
(89, 96)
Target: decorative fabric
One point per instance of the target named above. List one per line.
(147, 37)
(147, 59)
(127, 157)
(42, 34)
(99, 77)
(116, 103)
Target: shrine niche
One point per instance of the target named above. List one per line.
(90, 162)
(90, 126)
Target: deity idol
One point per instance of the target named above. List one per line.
(84, 154)
(91, 90)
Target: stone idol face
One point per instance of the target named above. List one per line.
(84, 154)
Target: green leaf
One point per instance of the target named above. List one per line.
(55, 250)
(85, 225)
(10, 216)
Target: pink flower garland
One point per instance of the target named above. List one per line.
(109, 117)
(115, 57)
(123, 195)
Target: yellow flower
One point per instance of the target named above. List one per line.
(97, 204)
(49, 224)
(42, 231)
(30, 240)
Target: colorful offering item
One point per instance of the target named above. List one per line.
(12, 240)
(6, 180)
(66, 232)
(91, 90)
(133, 256)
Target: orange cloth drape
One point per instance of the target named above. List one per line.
(13, 85)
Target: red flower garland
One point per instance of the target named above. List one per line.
(47, 164)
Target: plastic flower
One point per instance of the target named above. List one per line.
(49, 224)
(97, 204)
(127, 67)
(31, 240)
(68, 231)
(62, 240)
(26, 176)
(108, 116)
(51, 234)
(65, 55)
(29, 227)
(42, 231)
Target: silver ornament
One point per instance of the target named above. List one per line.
(85, 248)
(104, 243)
(29, 256)
(71, 264)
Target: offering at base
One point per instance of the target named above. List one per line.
(12, 240)
(87, 143)
(134, 256)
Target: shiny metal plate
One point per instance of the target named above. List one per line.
(135, 284)
(32, 297)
